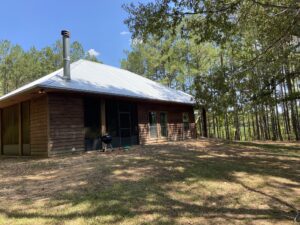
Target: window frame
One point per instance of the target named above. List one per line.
(166, 125)
(149, 125)
(186, 121)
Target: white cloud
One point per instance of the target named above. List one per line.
(93, 52)
(125, 33)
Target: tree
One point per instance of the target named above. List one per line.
(76, 52)
(5, 47)
(134, 61)
(91, 57)
(212, 20)
(18, 67)
(258, 65)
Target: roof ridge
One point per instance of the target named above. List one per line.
(146, 78)
(135, 74)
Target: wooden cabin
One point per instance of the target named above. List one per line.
(67, 110)
(54, 115)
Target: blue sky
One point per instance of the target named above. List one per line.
(96, 24)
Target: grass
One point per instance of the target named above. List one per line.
(194, 182)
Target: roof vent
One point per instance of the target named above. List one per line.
(66, 54)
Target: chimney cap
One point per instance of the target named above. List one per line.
(65, 33)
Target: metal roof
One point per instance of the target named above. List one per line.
(87, 76)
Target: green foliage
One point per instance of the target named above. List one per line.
(18, 67)
(171, 60)
(92, 58)
(243, 58)
(77, 51)
(212, 20)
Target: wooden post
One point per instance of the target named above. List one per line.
(103, 118)
(20, 128)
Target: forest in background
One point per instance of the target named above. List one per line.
(239, 59)
(19, 67)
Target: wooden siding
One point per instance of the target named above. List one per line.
(10, 127)
(57, 122)
(174, 117)
(66, 125)
(39, 126)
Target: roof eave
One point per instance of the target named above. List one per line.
(111, 94)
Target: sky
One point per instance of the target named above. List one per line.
(96, 24)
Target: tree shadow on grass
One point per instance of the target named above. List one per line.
(275, 148)
(124, 203)
(134, 185)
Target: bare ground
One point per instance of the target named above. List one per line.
(194, 182)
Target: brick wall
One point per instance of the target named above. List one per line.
(174, 119)
(66, 123)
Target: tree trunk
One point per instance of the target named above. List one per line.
(244, 127)
(277, 116)
(204, 122)
(265, 118)
(214, 126)
(257, 124)
(208, 125)
(218, 127)
(273, 121)
(227, 127)
(200, 126)
(237, 128)
(249, 129)
(285, 111)
(254, 128)
(293, 112)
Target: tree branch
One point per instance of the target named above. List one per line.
(203, 11)
(269, 5)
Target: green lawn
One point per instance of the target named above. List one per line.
(195, 182)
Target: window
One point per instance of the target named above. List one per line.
(163, 124)
(153, 124)
(186, 121)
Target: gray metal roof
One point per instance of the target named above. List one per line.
(87, 76)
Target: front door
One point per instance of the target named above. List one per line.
(163, 124)
(121, 122)
(125, 128)
(92, 123)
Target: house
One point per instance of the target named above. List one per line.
(69, 109)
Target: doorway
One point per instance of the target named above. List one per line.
(121, 123)
(163, 124)
(125, 128)
(92, 123)
(15, 121)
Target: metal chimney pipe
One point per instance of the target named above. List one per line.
(66, 53)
